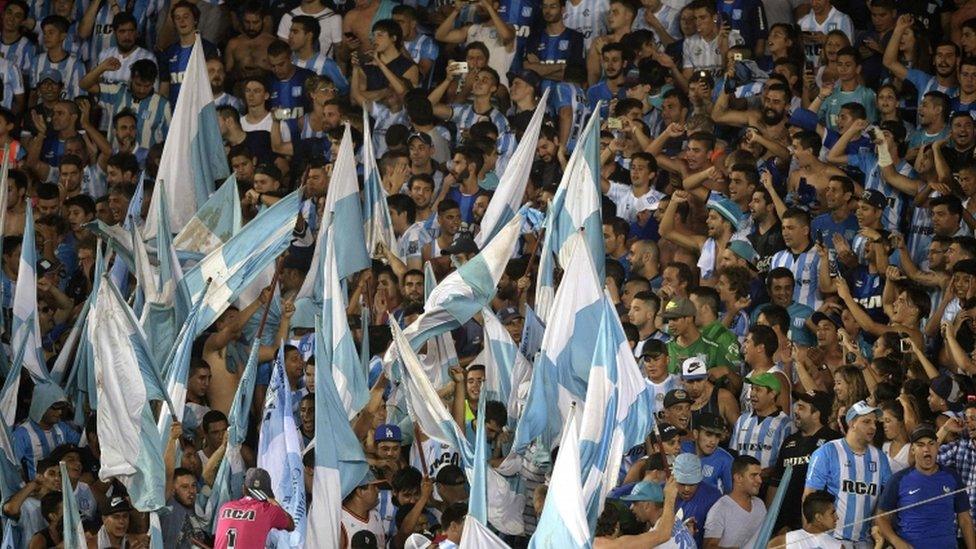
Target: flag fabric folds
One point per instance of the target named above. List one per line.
(563, 521)
(74, 532)
(478, 498)
(506, 370)
(377, 225)
(217, 220)
(441, 352)
(477, 536)
(26, 328)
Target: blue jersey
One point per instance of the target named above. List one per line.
(173, 62)
(925, 82)
(717, 469)
(464, 116)
(866, 289)
(600, 92)
(697, 507)
(824, 226)
(854, 480)
(569, 95)
(747, 17)
(521, 15)
(867, 161)
(932, 524)
(288, 98)
(805, 266)
(31, 443)
(565, 47)
(761, 437)
(152, 112)
(70, 68)
(52, 150)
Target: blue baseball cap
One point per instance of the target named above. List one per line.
(52, 75)
(687, 469)
(387, 433)
(861, 408)
(727, 209)
(645, 491)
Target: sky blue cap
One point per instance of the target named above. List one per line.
(727, 209)
(744, 250)
(861, 408)
(645, 491)
(687, 469)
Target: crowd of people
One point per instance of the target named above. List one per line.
(787, 215)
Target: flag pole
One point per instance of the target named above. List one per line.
(267, 306)
(420, 451)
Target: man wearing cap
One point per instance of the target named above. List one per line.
(810, 415)
(359, 512)
(662, 441)
(653, 505)
(44, 428)
(686, 338)
(723, 220)
(716, 462)
(760, 431)
(707, 398)
(660, 382)
(677, 410)
(695, 497)
(246, 522)
(451, 485)
(926, 518)
(853, 471)
(115, 523)
(387, 440)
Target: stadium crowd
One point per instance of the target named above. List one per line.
(786, 196)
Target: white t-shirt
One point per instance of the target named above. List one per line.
(330, 24)
(500, 56)
(122, 75)
(801, 539)
(701, 54)
(732, 525)
(835, 20)
(351, 524)
(263, 126)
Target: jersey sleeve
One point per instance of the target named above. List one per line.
(279, 517)
(918, 78)
(821, 465)
(889, 494)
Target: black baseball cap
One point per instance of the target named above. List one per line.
(667, 432)
(923, 431)
(654, 348)
(713, 423)
(819, 400)
(677, 396)
(463, 244)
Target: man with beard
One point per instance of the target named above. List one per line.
(152, 110)
(723, 219)
(927, 482)
(958, 150)
(218, 75)
(933, 122)
(125, 49)
(412, 288)
(766, 236)
(945, 61)
(838, 219)
(421, 189)
(770, 120)
(545, 52)
(613, 61)
(463, 180)
(247, 53)
(810, 415)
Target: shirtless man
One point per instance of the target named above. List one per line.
(16, 203)
(247, 53)
(358, 23)
(770, 119)
(810, 170)
(229, 325)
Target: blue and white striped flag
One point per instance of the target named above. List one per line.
(508, 197)
(464, 292)
(26, 329)
(339, 460)
(441, 352)
(347, 371)
(229, 481)
(74, 532)
(343, 209)
(476, 535)
(280, 454)
(80, 384)
(377, 225)
(617, 414)
(578, 201)
(478, 498)
(127, 380)
(193, 157)
(563, 520)
(506, 370)
(217, 220)
(176, 370)
(238, 262)
(561, 370)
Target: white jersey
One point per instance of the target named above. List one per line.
(588, 17)
(351, 524)
(628, 204)
(122, 75)
(658, 390)
(835, 20)
(330, 24)
(411, 242)
(263, 126)
(436, 455)
(801, 539)
(701, 54)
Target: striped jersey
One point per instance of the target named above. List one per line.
(867, 162)
(102, 39)
(323, 65)
(20, 53)
(854, 479)
(152, 113)
(330, 28)
(589, 17)
(71, 69)
(422, 47)
(667, 15)
(13, 83)
(32, 443)
(836, 20)
(805, 267)
(761, 437)
(122, 75)
(658, 390)
(225, 98)
(464, 116)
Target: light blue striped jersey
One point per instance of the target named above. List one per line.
(13, 83)
(569, 95)
(383, 118)
(227, 99)
(867, 162)
(323, 65)
(422, 47)
(658, 390)
(152, 113)
(32, 443)
(20, 53)
(761, 437)
(588, 17)
(805, 267)
(464, 116)
(855, 480)
(71, 69)
(102, 37)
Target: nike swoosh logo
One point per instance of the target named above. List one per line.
(913, 492)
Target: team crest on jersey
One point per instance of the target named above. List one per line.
(412, 247)
(831, 27)
(526, 11)
(586, 13)
(563, 45)
(872, 466)
(736, 14)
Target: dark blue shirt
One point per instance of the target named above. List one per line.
(288, 98)
(523, 16)
(934, 523)
(173, 62)
(697, 507)
(824, 226)
(747, 17)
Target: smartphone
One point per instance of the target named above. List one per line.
(737, 57)
(462, 66)
(905, 345)
(614, 123)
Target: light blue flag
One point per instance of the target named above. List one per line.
(441, 352)
(478, 500)
(532, 332)
(561, 369)
(127, 380)
(234, 265)
(25, 327)
(342, 209)
(769, 521)
(280, 454)
(377, 225)
(506, 370)
(10, 536)
(10, 476)
(577, 203)
(215, 222)
(507, 198)
(545, 278)
(118, 238)
(563, 520)
(74, 532)
(11, 385)
(340, 464)
(81, 382)
(120, 269)
(229, 481)
(618, 412)
(193, 157)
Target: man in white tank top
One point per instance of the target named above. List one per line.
(359, 515)
(820, 517)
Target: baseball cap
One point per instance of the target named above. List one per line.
(645, 491)
(452, 475)
(861, 408)
(463, 244)
(693, 368)
(417, 541)
(117, 504)
(654, 348)
(833, 318)
(364, 539)
(530, 77)
(947, 388)
(421, 136)
(712, 423)
(768, 380)
(744, 250)
(678, 308)
(923, 431)
(370, 478)
(509, 313)
(667, 432)
(819, 400)
(52, 75)
(875, 198)
(727, 209)
(687, 469)
(677, 396)
(387, 433)
(257, 482)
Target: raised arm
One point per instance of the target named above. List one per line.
(890, 59)
(447, 33)
(668, 230)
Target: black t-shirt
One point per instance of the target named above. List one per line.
(766, 245)
(796, 451)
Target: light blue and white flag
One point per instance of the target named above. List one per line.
(532, 332)
(74, 532)
(342, 209)
(507, 372)
(80, 385)
(280, 454)
(377, 225)
(126, 377)
(463, 293)
(10, 476)
(133, 217)
(118, 238)
(617, 414)
(478, 498)
(563, 520)
(577, 203)
(509, 195)
(176, 370)
(561, 369)
(545, 278)
(347, 371)
(428, 411)
(214, 223)
(441, 352)
(193, 157)
(476, 535)
(229, 481)
(241, 260)
(26, 329)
